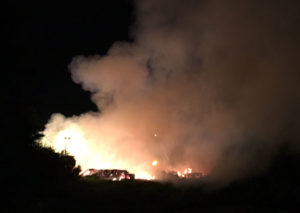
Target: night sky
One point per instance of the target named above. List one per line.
(43, 37)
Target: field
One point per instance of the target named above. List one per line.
(92, 195)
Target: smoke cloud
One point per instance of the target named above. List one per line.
(212, 85)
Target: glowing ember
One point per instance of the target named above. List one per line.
(87, 172)
(185, 172)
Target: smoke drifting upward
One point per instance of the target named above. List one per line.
(212, 85)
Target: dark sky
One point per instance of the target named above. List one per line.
(44, 36)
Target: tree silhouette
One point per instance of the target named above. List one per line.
(29, 170)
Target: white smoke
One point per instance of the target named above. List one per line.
(207, 84)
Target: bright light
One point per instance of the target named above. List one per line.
(154, 163)
(70, 140)
(144, 175)
(185, 172)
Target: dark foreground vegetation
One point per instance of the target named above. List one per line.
(270, 192)
(36, 179)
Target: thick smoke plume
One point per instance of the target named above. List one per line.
(212, 85)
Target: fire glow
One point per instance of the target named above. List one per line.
(89, 154)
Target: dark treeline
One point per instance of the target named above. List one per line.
(28, 171)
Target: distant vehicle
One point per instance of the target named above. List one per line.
(109, 174)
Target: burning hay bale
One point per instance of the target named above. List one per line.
(172, 175)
